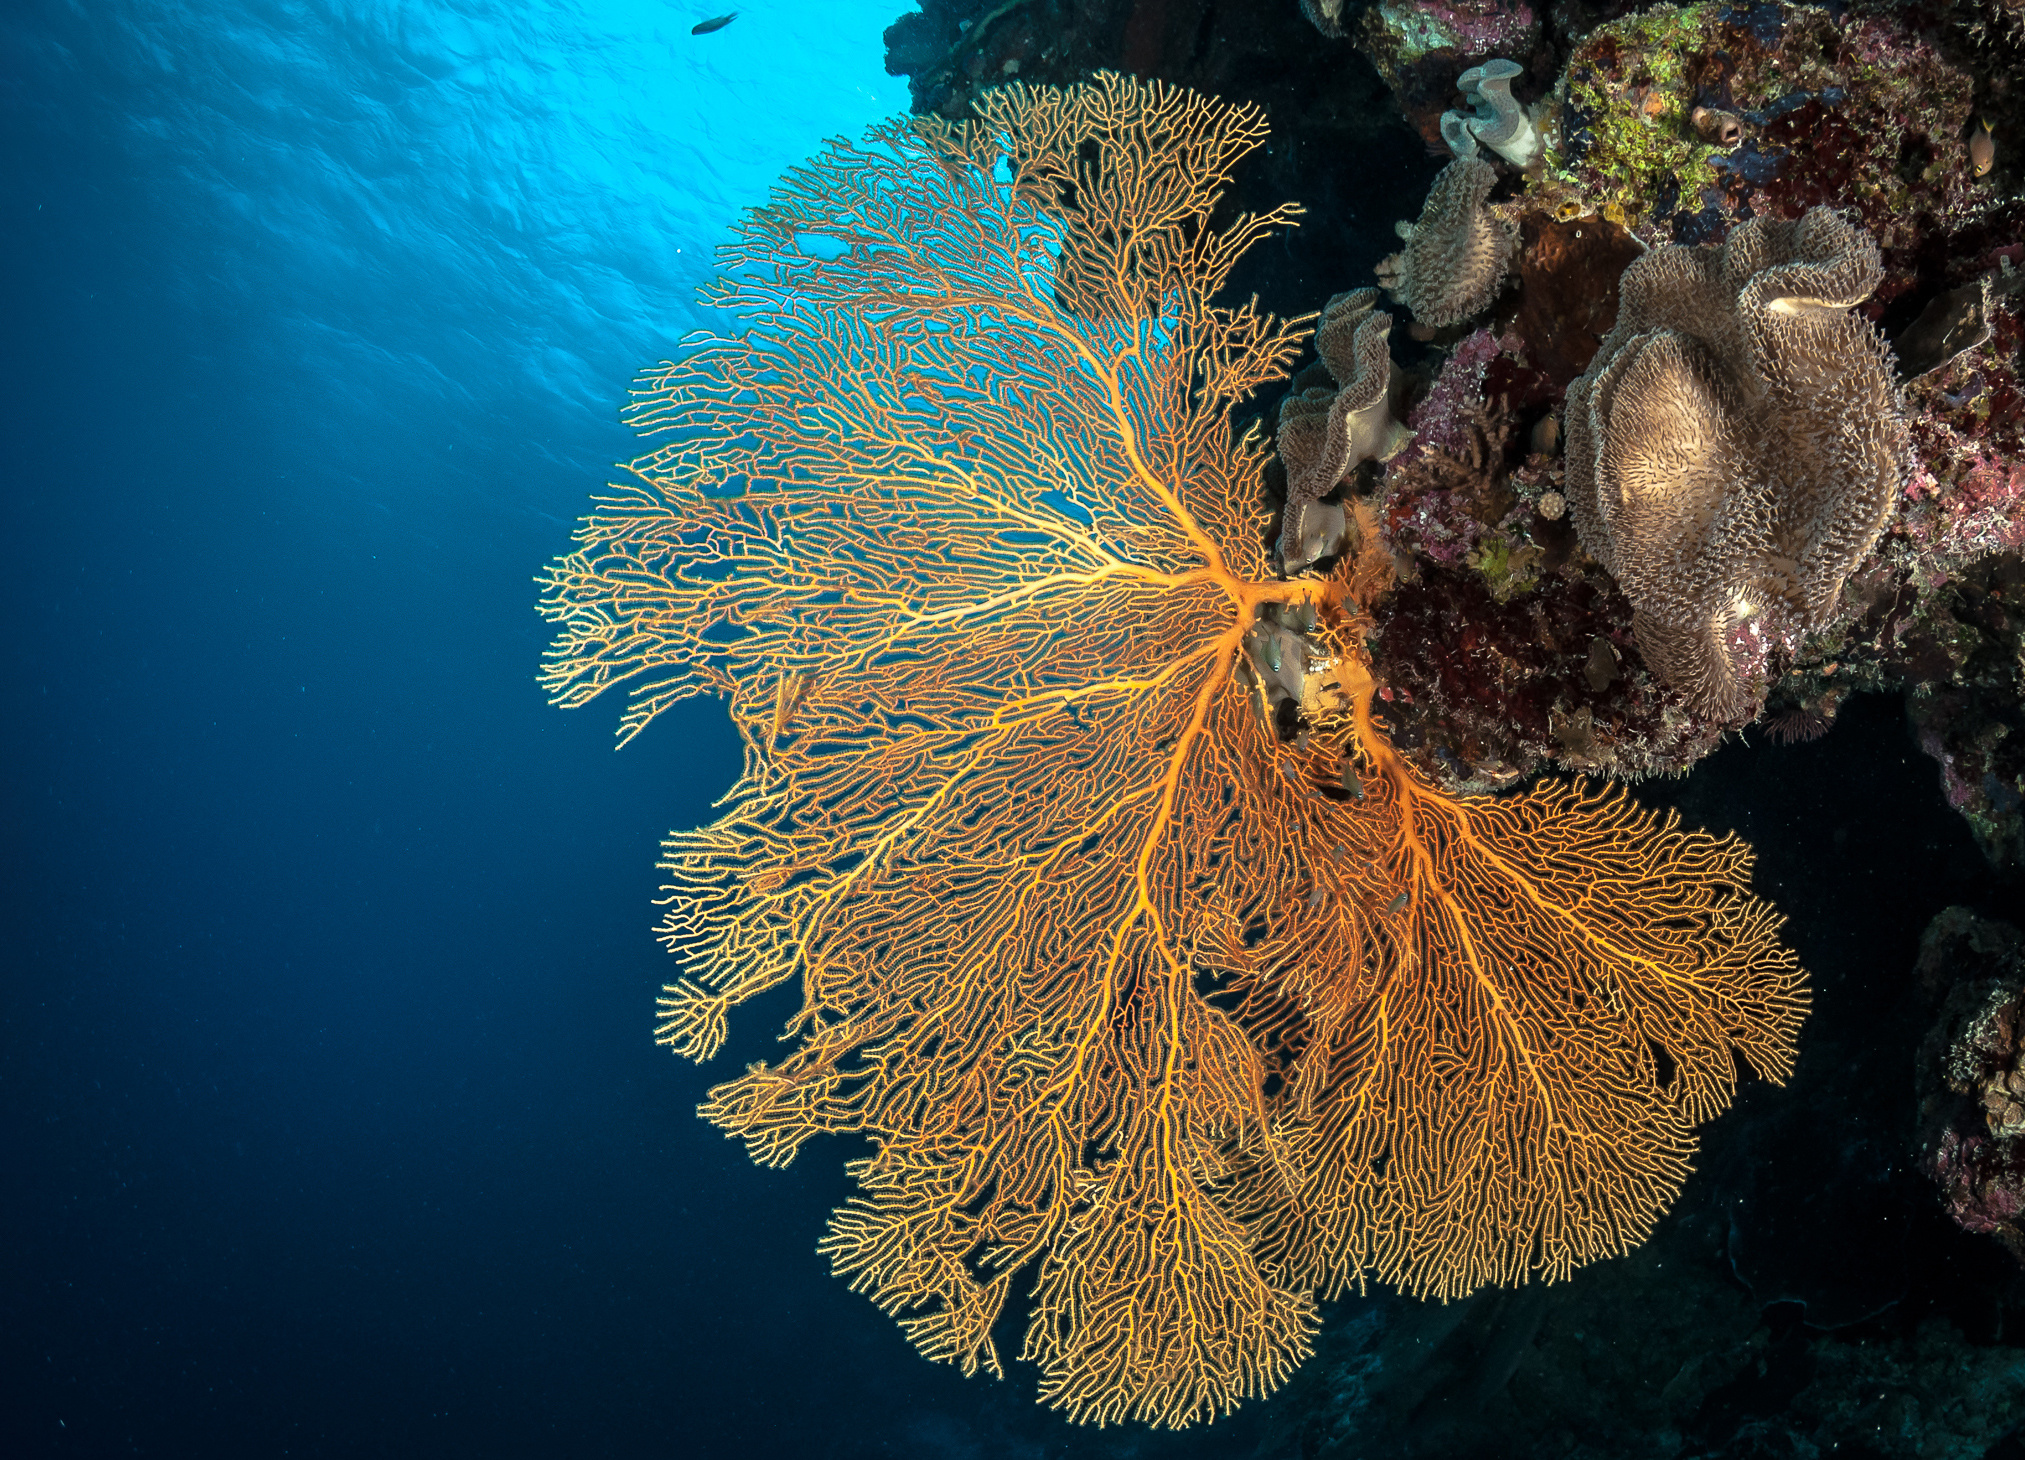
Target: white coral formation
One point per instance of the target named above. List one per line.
(1736, 446)
(1456, 255)
(1324, 434)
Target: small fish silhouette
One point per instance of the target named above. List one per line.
(716, 22)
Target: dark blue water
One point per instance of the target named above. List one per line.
(333, 1125)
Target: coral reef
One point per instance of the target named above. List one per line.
(1456, 254)
(1972, 1074)
(1499, 646)
(1683, 125)
(1956, 648)
(1934, 612)
(1854, 112)
(1568, 275)
(1423, 49)
(1503, 646)
(1735, 449)
(1966, 499)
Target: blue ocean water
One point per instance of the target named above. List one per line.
(332, 1119)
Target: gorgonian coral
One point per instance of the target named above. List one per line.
(1735, 448)
(1141, 959)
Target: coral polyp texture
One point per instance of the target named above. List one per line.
(1325, 434)
(1736, 447)
(1138, 954)
(1972, 1073)
(1456, 254)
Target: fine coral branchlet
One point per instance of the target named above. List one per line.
(1124, 936)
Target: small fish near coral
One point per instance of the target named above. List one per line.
(1043, 747)
(715, 23)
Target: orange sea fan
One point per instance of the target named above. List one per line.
(1142, 959)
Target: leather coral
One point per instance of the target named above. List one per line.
(1495, 118)
(1735, 448)
(1324, 434)
(1456, 255)
(1165, 996)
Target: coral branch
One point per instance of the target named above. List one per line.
(1121, 931)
